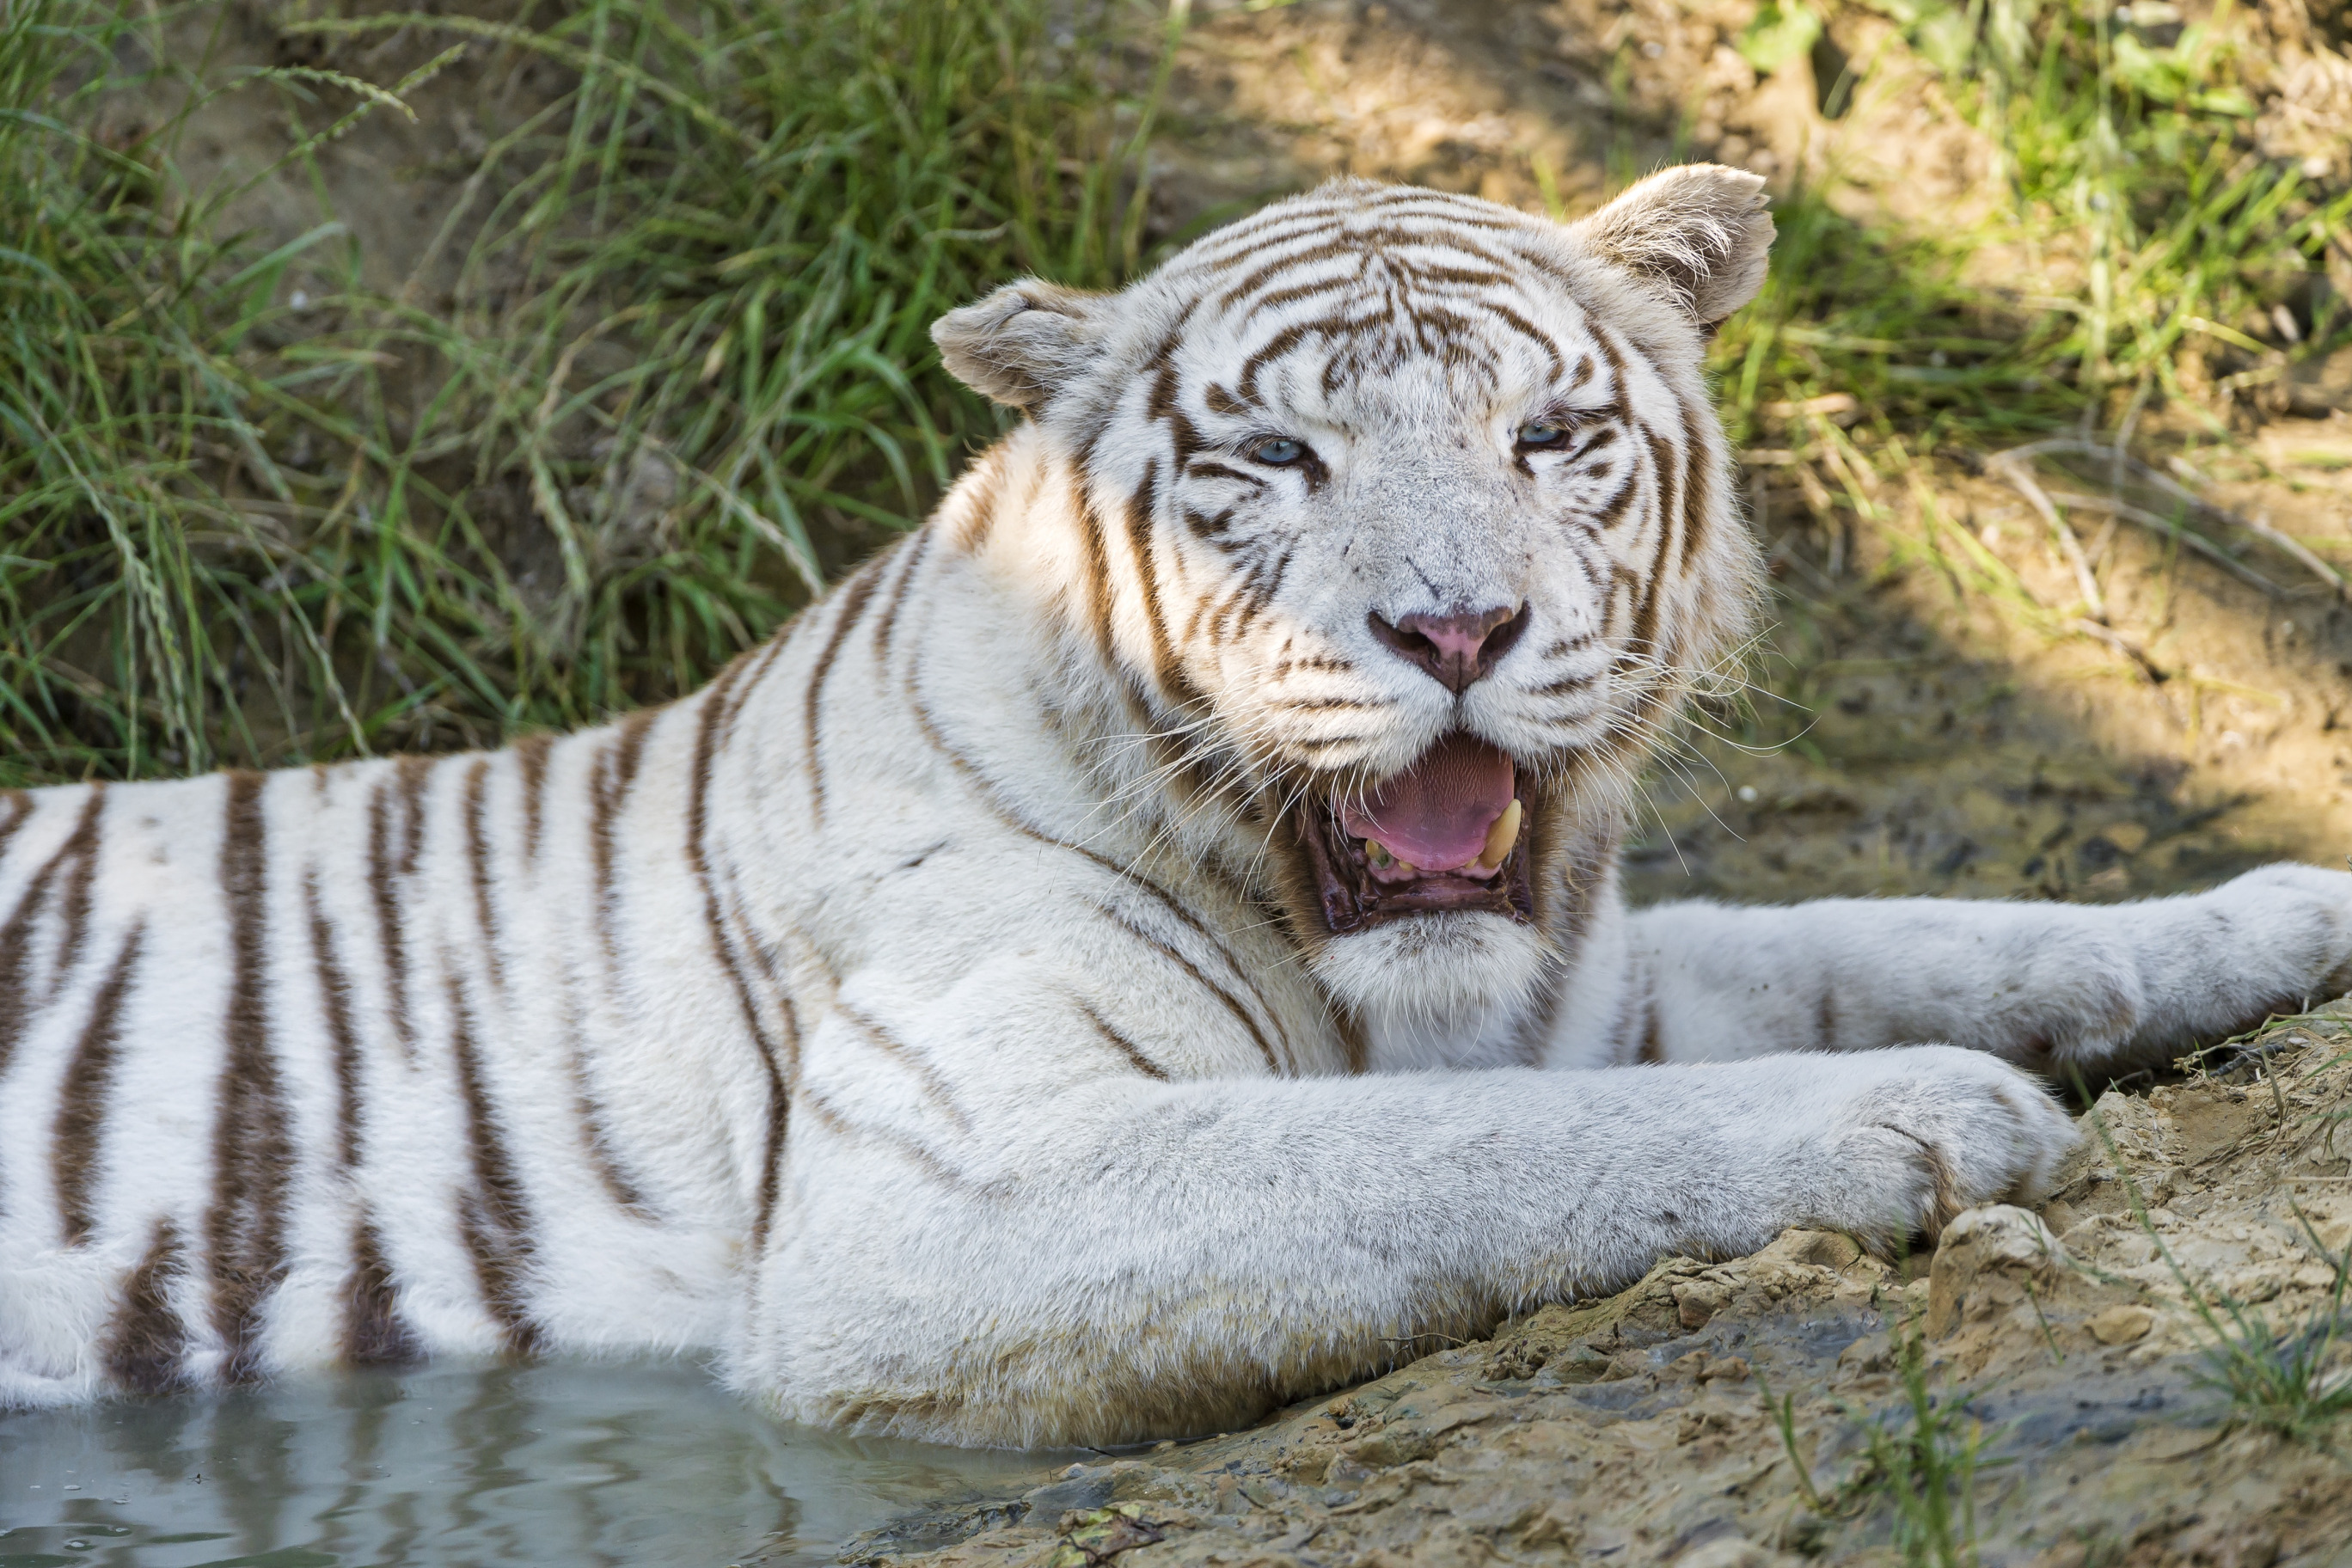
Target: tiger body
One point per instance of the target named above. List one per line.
(973, 1017)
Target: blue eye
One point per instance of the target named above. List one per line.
(1280, 451)
(1542, 433)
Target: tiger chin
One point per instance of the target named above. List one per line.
(1140, 948)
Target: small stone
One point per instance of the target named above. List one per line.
(1997, 1241)
(2120, 1325)
(1698, 1302)
(1872, 1352)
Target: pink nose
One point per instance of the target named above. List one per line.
(1458, 647)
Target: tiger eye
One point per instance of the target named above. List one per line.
(1542, 434)
(1280, 451)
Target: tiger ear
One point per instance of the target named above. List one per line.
(1023, 341)
(1700, 231)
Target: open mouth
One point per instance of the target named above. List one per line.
(1448, 833)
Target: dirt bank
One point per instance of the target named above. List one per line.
(2069, 1354)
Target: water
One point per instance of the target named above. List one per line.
(640, 1465)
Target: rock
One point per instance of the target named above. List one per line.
(2120, 1325)
(1584, 1333)
(1093, 1537)
(1831, 1250)
(1698, 1302)
(1982, 1251)
(1872, 1352)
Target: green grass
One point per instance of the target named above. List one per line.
(680, 376)
(1917, 1474)
(2292, 1379)
(2145, 256)
(2166, 246)
(683, 379)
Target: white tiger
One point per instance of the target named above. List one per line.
(1109, 967)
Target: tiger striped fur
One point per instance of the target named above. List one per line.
(973, 1017)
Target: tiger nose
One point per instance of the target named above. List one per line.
(1458, 647)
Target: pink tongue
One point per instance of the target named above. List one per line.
(1436, 812)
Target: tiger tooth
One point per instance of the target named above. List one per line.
(1377, 852)
(1501, 837)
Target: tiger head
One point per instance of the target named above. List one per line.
(1406, 520)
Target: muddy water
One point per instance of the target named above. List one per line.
(456, 1466)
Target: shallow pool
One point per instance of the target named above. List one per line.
(561, 1463)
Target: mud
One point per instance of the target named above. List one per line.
(1641, 1428)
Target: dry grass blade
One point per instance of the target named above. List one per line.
(2140, 517)
(2024, 483)
(2012, 464)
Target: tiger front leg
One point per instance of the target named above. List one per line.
(2066, 990)
(1124, 1259)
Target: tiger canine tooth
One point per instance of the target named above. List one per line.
(1501, 837)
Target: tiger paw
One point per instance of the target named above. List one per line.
(1918, 1134)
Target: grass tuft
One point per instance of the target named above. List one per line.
(1918, 1466)
(661, 372)
(2292, 1380)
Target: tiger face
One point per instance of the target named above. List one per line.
(1406, 517)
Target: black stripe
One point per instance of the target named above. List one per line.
(853, 597)
(888, 621)
(478, 865)
(530, 755)
(1571, 916)
(1698, 487)
(980, 517)
(590, 1112)
(375, 1334)
(1099, 595)
(252, 1159)
(1123, 1046)
(1139, 504)
(918, 1154)
(19, 805)
(343, 1041)
(82, 1097)
(394, 838)
(145, 1340)
(935, 1087)
(493, 1216)
(614, 772)
(991, 798)
(1232, 1005)
(74, 907)
(723, 945)
(758, 665)
(16, 934)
